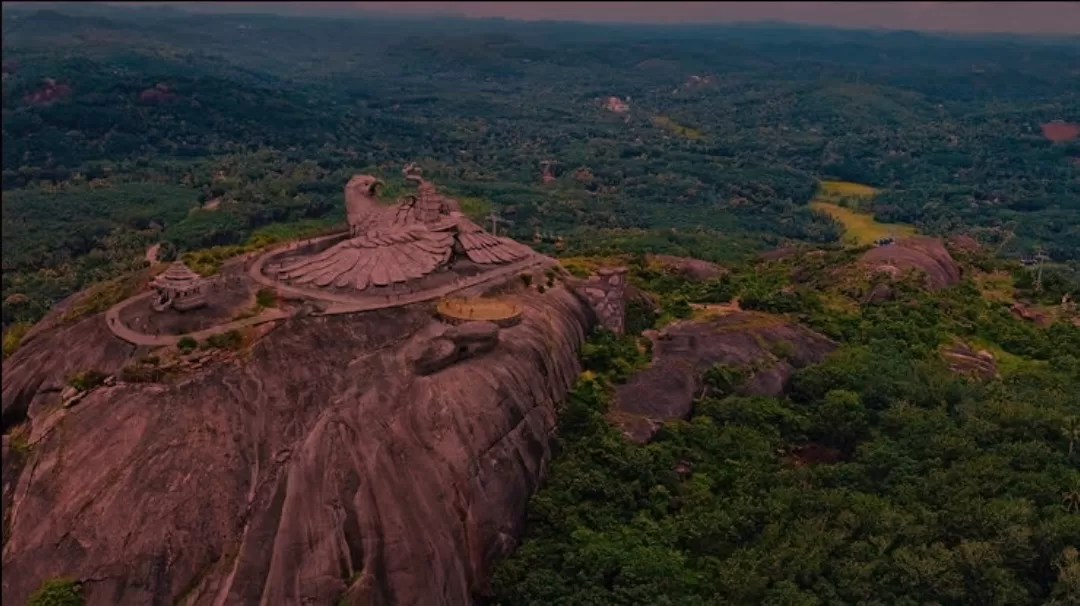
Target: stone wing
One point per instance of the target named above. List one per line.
(482, 247)
(376, 258)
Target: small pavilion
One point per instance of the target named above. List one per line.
(179, 288)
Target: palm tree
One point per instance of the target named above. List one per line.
(1071, 500)
(1072, 432)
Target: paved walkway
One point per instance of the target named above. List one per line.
(339, 304)
(112, 318)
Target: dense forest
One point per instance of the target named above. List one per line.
(125, 127)
(882, 477)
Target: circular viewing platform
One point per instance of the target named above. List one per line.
(501, 312)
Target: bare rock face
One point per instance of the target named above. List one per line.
(964, 243)
(963, 359)
(928, 255)
(685, 350)
(160, 93)
(879, 293)
(485, 333)
(778, 253)
(315, 466)
(456, 344)
(50, 92)
(36, 374)
(547, 176)
(605, 293)
(616, 105)
(694, 269)
(1024, 312)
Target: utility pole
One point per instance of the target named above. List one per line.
(494, 223)
(1009, 235)
(1040, 257)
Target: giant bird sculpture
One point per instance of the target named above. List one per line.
(395, 244)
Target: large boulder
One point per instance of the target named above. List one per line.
(454, 345)
(962, 359)
(927, 255)
(683, 351)
(694, 269)
(37, 373)
(1025, 312)
(314, 467)
(965, 243)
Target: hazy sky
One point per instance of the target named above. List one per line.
(1015, 17)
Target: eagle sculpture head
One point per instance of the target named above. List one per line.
(361, 202)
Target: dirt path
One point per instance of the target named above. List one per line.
(151, 253)
(718, 309)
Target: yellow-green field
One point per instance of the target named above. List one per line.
(996, 286)
(845, 189)
(840, 200)
(672, 126)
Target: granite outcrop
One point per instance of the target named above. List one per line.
(315, 466)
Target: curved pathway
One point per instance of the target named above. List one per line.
(112, 318)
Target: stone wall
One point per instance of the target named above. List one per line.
(605, 293)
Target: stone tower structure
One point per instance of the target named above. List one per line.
(179, 288)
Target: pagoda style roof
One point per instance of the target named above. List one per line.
(178, 276)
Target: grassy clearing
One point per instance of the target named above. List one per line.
(19, 438)
(582, 266)
(207, 261)
(104, 295)
(861, 229)
(708, 311)
(674, 127)
(61, 591)
(1008, 363)
(837, 302)
(996, 286)
(13, 337)
(840, 200)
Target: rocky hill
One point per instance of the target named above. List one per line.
(310, 465)
(394, 455)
